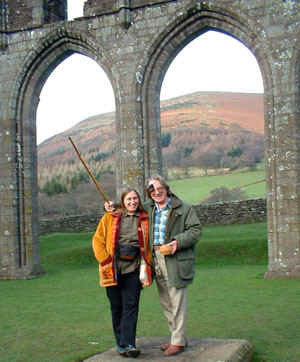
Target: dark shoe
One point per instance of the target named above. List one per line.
(121, 351)
(131, 351)
(173, 350)
(164, 347)
(186, 342)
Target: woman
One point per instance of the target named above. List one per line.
(120, 245)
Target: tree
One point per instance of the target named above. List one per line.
(165, 139)
(54, 187)
(235, 152)
(187, 151)
(213, 158)
(74, 182)
(101, 156)
(222, 194)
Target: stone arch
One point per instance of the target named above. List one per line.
(39, 64)
(156, 61)
(151, 71)
(56, 47)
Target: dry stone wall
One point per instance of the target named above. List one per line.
(223, 213)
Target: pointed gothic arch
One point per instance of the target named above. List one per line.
(53, 50)
(154, 66)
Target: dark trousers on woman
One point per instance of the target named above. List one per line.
(124, 305)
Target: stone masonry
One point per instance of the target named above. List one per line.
(134, 41)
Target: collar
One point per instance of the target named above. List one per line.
(125, 213)
(167, 206)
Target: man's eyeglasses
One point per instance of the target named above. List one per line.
(151, 188)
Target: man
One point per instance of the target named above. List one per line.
(174, 230)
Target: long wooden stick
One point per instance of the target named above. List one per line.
(89, 172)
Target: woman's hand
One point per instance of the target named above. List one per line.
(109, 206)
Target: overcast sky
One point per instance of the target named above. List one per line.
(78, 88)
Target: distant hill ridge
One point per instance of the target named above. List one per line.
(197, 110)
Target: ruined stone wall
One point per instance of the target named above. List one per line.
(55, 11)
(135, 42)
(96, 7)
(24, 15)
(28, 14)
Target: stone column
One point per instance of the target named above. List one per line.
(129, 144)
(283, 171)
(19, 247)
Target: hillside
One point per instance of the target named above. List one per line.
(214, 109)
(201, 119)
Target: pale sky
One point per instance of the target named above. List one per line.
(78, 88)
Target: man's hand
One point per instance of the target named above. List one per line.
(174, 245)
(169, 249)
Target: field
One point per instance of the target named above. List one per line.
(64, 316)
(194, 190)
(85, 199)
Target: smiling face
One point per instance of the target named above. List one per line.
(131, 202)
(159, 193)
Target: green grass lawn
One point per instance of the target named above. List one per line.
(194, 190)
(65, 316)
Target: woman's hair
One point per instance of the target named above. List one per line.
(125, 193)
(162, 182)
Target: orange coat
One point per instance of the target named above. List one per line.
(104, 245)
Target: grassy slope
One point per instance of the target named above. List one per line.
(64, 315)
(194, 190)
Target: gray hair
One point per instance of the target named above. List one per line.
(161, 180)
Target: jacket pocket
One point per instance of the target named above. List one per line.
(186, 267)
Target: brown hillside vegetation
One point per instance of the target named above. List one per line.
(214, 109)
(203, 130)
(201, 119)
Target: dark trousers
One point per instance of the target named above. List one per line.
(124, 304)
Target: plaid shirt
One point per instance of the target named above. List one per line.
(160, 222)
